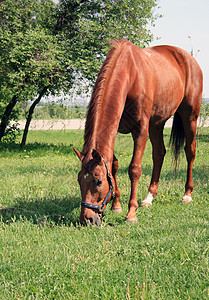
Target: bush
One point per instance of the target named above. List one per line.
(204, 114)
(11, 133)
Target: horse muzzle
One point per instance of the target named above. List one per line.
(91, 219)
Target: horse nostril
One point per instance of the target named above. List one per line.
(91, 220)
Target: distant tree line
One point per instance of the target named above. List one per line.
(203, 116)
(45, 45)
(53, 110)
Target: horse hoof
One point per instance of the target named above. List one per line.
(131, 220)
(145, 204)
(117, 210)
(186, 199)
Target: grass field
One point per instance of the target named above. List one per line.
(46, 254)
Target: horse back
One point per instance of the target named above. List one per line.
(164, 77)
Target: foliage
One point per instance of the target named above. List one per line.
(11, 133)
(203, 117)
(45, 254)
(89, 25)
(32, 59)
(31, 56)
(44, 46)
(58, 111)
(204, 114)
(42, 43)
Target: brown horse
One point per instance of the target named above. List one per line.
(136, 91)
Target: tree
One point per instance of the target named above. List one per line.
(43, 45)
(30, 113)
(32, 59)
(88, 25)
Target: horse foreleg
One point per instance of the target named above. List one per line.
(158, 153)
(135, 170)
(116, 207)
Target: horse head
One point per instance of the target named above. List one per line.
(96, 187)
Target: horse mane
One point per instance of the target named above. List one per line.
(95, 104)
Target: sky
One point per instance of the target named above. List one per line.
(181, 19)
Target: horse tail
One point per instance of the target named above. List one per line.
(177, 137)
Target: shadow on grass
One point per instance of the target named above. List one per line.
(43, 211)
(66, 210)
(52, 212)
(169, 174)
(38, 149)
(199, 172)
(6, 149)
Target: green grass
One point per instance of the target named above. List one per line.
(45, 254)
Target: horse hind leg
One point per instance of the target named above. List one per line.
(158, 153)
(189, 120)
(190, 149)
(116, 207)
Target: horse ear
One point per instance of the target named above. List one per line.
(96, 156)
(79, 154)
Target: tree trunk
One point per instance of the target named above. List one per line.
(6, 115)
(29, 118)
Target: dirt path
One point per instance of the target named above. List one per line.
(68, 124)
(53, 124)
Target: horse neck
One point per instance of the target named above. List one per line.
(102, 125)
(107, 103)
(103, 136)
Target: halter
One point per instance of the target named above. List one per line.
(100, 208)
